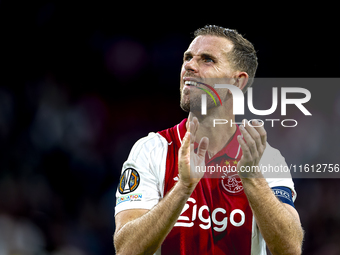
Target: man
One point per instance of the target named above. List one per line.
(164, 206)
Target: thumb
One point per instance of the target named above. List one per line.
(203, 147)
(185, 147)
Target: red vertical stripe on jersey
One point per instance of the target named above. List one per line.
(217, 217)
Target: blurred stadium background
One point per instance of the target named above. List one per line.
(80, 82)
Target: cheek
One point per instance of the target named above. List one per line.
(183, 70)
(181, 75)
(223, 93)
(220, 72)
(213, 72)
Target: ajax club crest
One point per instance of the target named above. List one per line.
(231, 183)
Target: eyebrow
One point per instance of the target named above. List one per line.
(203, 55)
(187, 53)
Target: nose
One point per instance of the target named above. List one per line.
(191, 65)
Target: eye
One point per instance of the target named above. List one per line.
(207, 59)
(187, 58)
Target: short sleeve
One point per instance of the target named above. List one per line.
(142, 177)
(275, 170)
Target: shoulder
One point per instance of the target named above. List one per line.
(148, 158)
(142, 176)
(152, 143)
(150, 152)
(275, 169)
(272, 155)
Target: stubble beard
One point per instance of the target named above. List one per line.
(185, 101)
(193, 103)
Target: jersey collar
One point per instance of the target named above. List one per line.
(232, 149)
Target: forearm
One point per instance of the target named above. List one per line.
(145, 234)
(279, 227)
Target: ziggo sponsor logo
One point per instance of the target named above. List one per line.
(219, 226)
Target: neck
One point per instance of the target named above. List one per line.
(220, 135)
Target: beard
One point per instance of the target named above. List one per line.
(185, 106)
(191, 98)
(185, 100)
(191, 101)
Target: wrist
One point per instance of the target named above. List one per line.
(253, 181)
(255, 186)
(186, 188)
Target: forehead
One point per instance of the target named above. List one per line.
(215, 45)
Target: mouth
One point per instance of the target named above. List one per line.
(188, 82)
(191, 82)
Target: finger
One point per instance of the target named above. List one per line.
(245, 149)
(251, 144)
(195, 125)
(262, 132)
(185, 147)
(254, 134)
(203, 147)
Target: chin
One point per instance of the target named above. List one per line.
(185, 105)
(193, 103)
(185, 108)
(188, 106)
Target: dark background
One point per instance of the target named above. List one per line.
(81, 82)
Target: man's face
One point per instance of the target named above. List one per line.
(205, 60)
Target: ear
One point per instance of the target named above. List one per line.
(242, 80)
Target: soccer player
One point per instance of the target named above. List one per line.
(164, 207)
